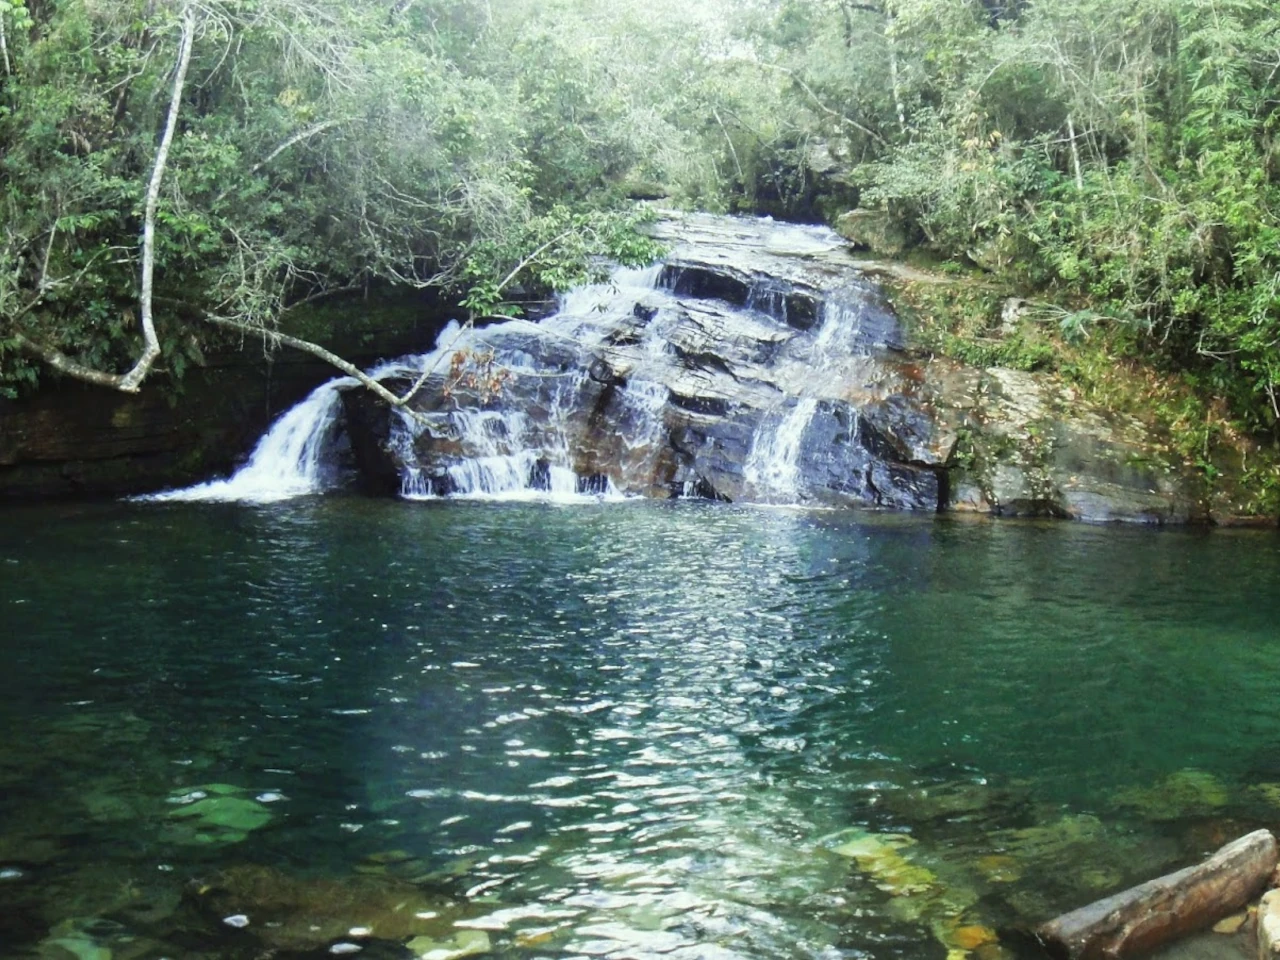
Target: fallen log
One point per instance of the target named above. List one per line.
(1154, 913)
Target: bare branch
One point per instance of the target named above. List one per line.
(820, 105)
(298, 137)
(64, 364)
(132, 380)
(350, 369)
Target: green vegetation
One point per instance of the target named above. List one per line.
(196, 167)
(1118, 157)
(169, 171)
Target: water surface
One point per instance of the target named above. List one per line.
(623, 730)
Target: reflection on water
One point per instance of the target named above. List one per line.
(624, 730)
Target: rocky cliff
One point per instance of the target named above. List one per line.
(70, 439)
(762, 362)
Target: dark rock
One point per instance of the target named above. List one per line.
(875, 230)
(367, 419)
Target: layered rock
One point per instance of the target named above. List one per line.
(762, 362)
(71, 439)
(757, 363)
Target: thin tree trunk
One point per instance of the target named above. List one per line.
(4, 48)
(897, 88)
(133, 379)
(1075, 153)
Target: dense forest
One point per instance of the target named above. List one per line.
(174, 172)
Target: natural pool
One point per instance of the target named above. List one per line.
(622, 730)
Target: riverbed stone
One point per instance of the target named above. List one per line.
(880, 857)
(216, 813)
(1181, 795)
(1232, 924)
(292, 912)
(465, 943)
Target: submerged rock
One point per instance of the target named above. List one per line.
(309, 913)
(215, 813)
(1181, 795)
(880, 857)
(465, 943)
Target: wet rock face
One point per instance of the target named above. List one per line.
(758, 363)
(1032, 448)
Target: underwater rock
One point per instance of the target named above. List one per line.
(309, 913)
(465, 943)
(1161, 910)
(962, 799)
(880, 857)
(94, 938)
(1055, 840)
(216, 813)
(1181, 795)
(1231, 924)
(80, 948)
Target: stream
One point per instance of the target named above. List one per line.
(332, 725)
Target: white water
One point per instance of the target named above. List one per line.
(498, 451)
(838, 333)
(773, 466)
(287, 462)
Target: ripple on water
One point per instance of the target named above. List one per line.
(659, 731)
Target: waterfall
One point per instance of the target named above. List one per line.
(287, 462)
(773, 465)
(740, 370)
(506, 462)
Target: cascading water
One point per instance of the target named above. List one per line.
(729, 372)
(773, 466)
(288, 461)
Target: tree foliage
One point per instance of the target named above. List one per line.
(1120, 155)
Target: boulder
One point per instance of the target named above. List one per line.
(876, 230)
(1268, 936)
(1033, 447)
(1162, 910)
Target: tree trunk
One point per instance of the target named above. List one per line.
(1161, 910)
(132, 380)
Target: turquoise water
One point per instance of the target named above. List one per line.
(624, 730)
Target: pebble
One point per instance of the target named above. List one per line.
(1230, 924)
(239, 921)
